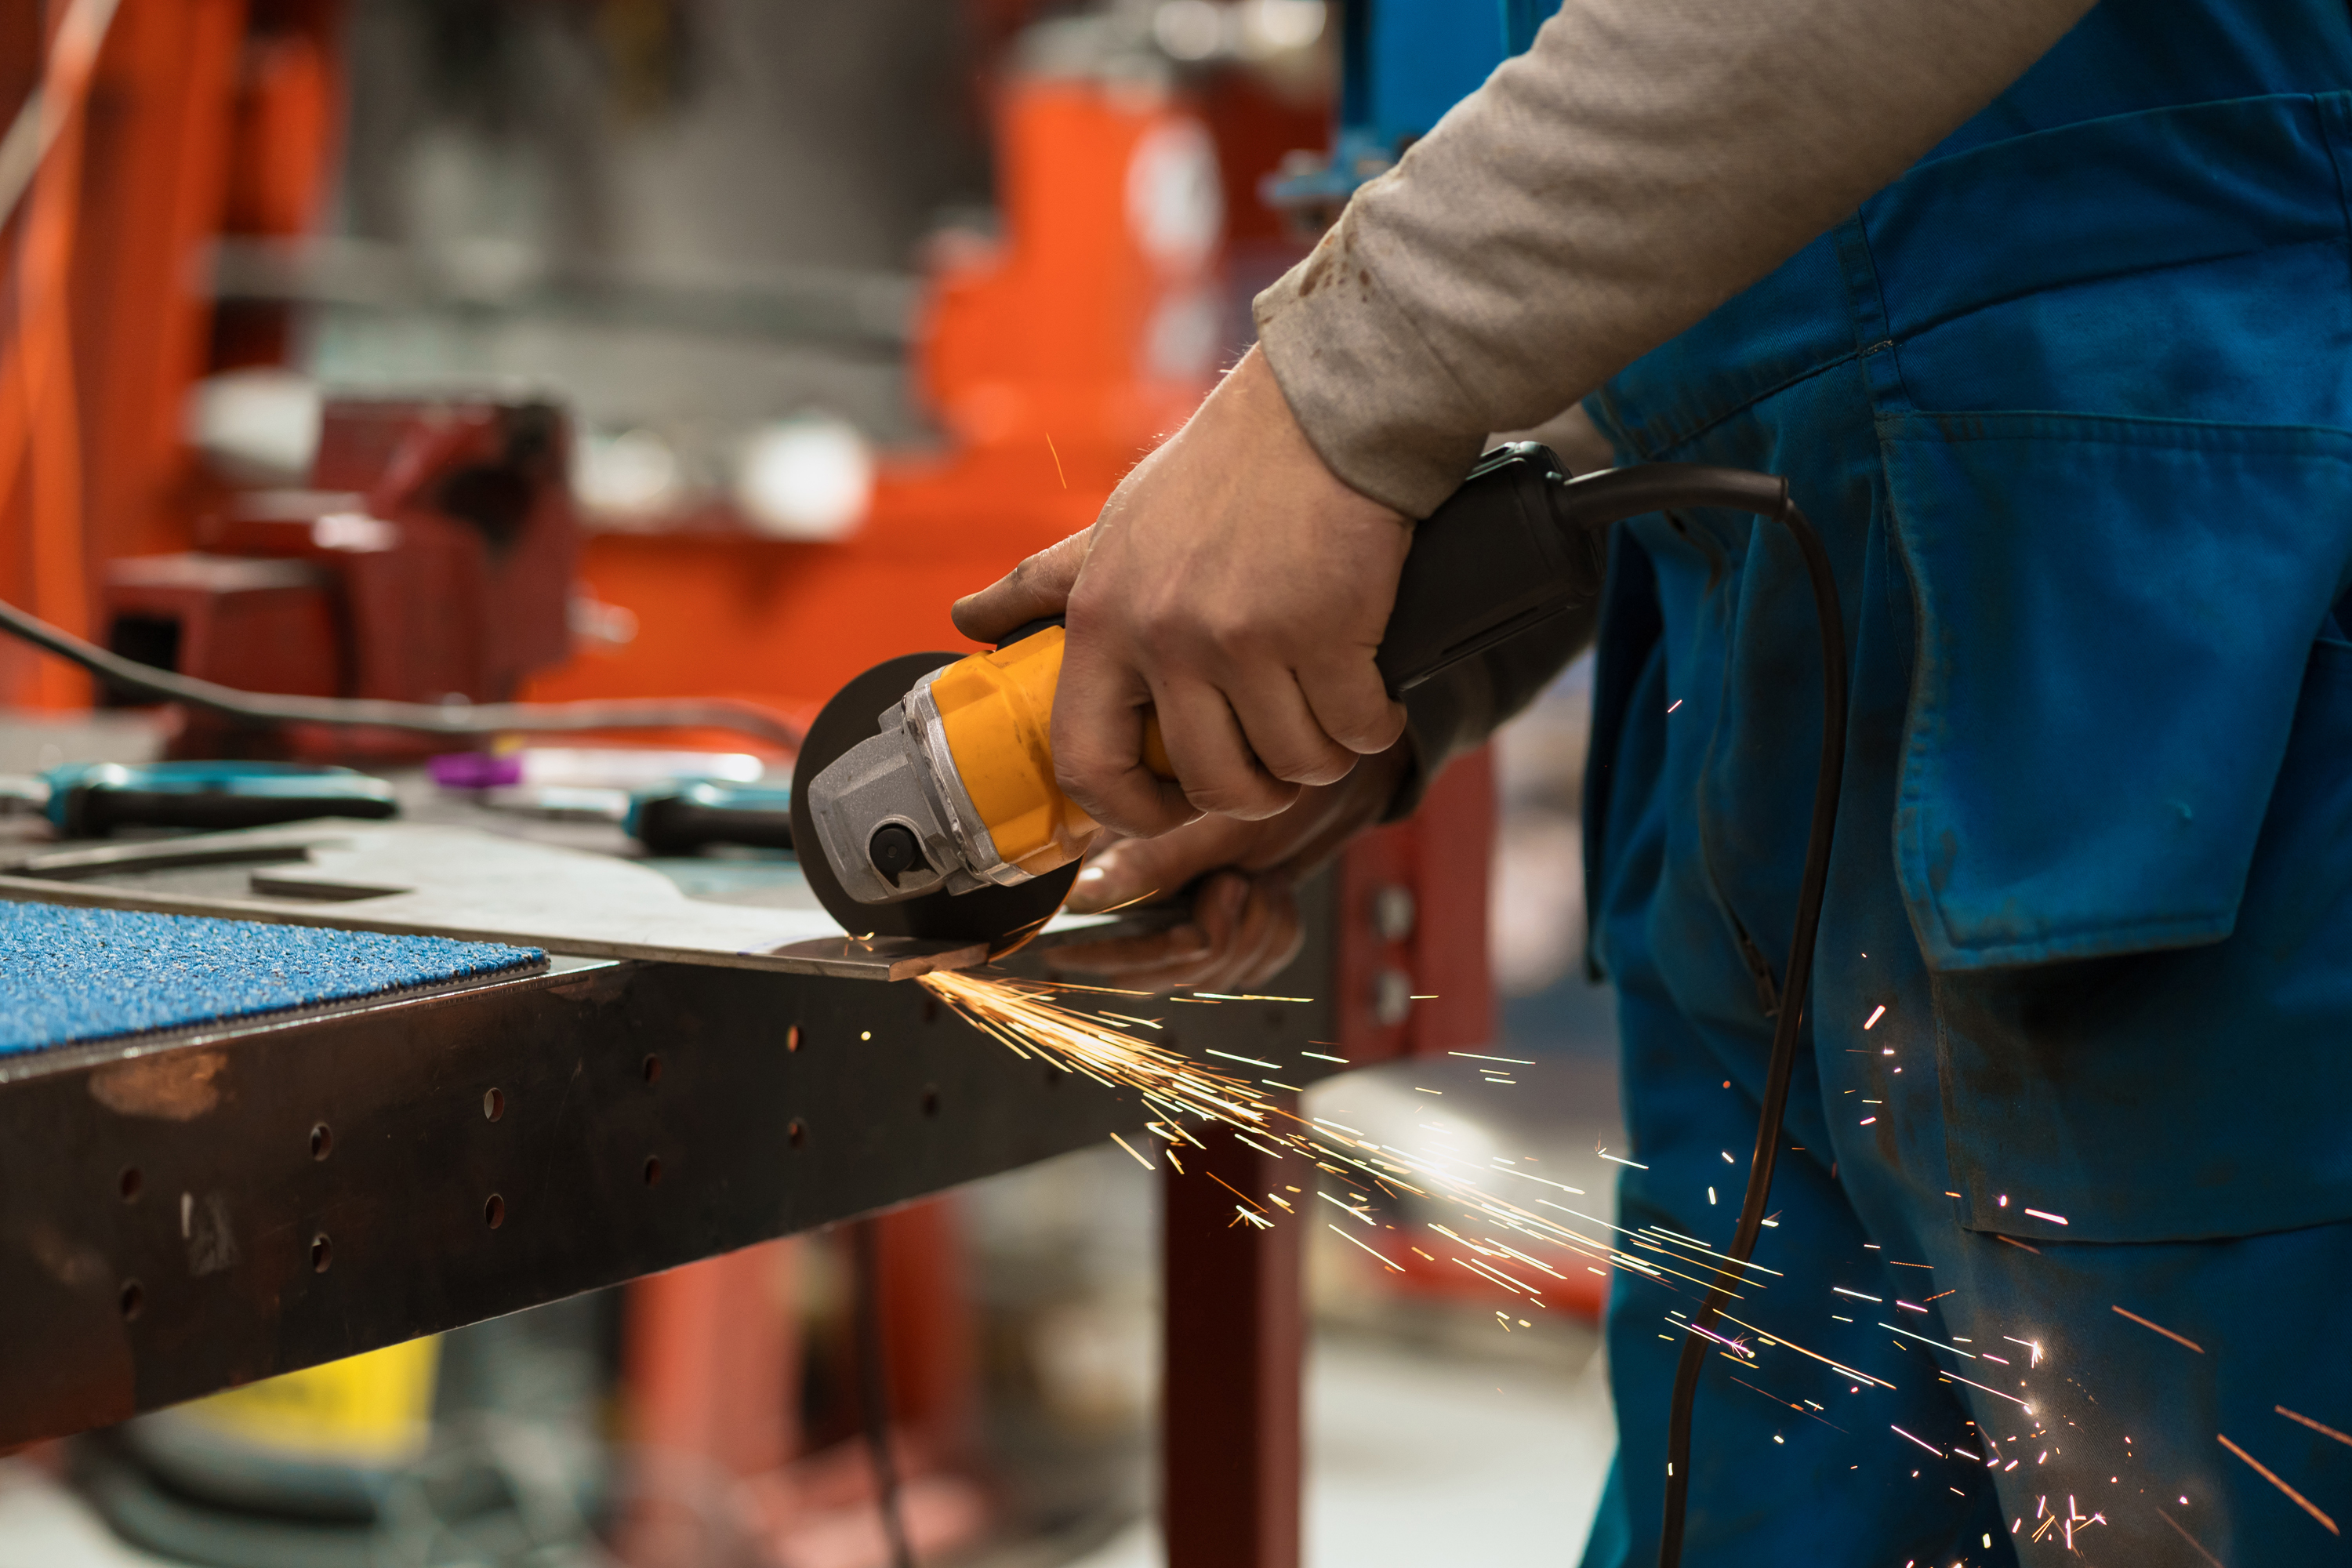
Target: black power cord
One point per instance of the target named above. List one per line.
(1596, 501)
(874, 1386)
(456, 719)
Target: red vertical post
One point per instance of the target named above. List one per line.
(711, 1359)
(1411, 975)
(1235, 1335)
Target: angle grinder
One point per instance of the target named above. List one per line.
(930, 808)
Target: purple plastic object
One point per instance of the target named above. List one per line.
(476, 770)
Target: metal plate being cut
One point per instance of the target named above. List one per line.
(992, 914)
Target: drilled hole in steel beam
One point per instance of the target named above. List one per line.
(494, 1213)
(322, 1141)
(494, 1104)
(131, 1299)
(130, 1182)
(930, 1009)
(322, 1253)
(1053, 1076)
(793, 1038)
(653, 1170)
(931, 1099)
(652, 1070)
(796, 1132)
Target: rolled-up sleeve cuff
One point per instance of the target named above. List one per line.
(1378, 406)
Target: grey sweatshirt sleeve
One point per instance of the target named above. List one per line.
(1644, 161)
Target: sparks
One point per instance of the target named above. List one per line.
(2308, 1506)
(2168, 1333)
(2308, 1421)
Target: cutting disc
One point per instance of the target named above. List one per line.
(991, 914)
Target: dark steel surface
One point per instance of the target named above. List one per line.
(179, 1217)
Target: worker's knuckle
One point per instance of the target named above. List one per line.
(1251, 797)
(1318, 762)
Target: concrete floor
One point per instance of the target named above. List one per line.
(43, 1525)
(1417, 1458)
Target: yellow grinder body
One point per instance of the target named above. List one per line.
(996, 710)
(950, 791)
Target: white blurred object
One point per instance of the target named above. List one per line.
(1536, 912)
(1195, 32)
(593, 621)
(806, 477)
(1271, 27)
(629, 477)
(1535, 900)
(629, 767)
(1192, 29)
(260, 423)
(1175, 205)
(1186, 331)
(355, 533)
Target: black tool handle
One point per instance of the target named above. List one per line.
(96, 813)
(1520, 542)
(1490, 563)
(681, 824)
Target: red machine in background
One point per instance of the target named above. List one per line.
(431, 559)
(435, 552)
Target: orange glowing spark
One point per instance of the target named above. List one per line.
(1224, 996)
(2324, 1431)
(1233, 1189)
(1057, 460)
(2159, 1328)
(2308, 1507)
(1131, 1153)
(2195, 1544)
(1956, 1377)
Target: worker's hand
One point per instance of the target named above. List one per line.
(1245, 917)
(1235, 586)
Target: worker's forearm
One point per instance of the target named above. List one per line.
(1644, 161)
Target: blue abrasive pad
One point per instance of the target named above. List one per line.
(68, 975)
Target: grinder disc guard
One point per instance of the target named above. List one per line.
(992, 914)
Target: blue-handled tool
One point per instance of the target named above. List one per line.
(682, 818)
(90, 800)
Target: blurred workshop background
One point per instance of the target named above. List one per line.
(479, 350)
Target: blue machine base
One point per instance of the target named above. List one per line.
(72, 976)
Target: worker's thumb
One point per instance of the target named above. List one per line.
(1038, 587)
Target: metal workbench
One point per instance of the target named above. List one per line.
(188, 1213)
(184, 1213)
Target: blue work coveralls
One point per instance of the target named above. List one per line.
(2071, 403)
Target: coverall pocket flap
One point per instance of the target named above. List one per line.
(2114, 618)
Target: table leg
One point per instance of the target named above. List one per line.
(1235, 1334)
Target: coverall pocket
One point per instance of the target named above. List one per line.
(2183, 1095)
(2114, 617)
